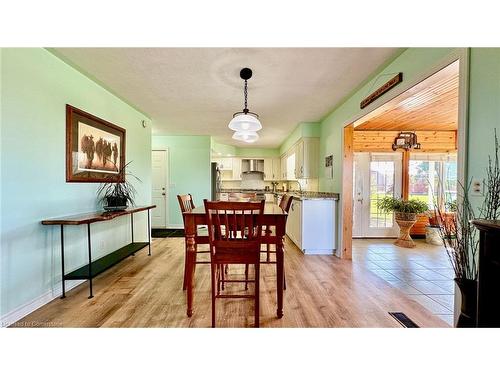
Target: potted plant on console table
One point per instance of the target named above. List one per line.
(115, 196)
(405, 212)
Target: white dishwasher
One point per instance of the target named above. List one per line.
(311, 225)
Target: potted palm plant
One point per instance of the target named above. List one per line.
(115, 196)
(405, 214)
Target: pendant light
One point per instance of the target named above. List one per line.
(249, 137)
(245, 122)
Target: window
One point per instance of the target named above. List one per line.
(433, 178)
(381, 185)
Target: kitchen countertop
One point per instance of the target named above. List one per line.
(310, 195)
(305, 195)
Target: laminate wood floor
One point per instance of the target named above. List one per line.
(142, 291)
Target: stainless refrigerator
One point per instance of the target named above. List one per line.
(216, 181)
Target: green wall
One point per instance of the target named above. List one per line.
(220, 149)
(35, 88)
(188, 170)
(484, 110)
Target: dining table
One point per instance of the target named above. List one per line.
(274, 218)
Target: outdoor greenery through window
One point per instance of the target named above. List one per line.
(381, 185)
(426, 172)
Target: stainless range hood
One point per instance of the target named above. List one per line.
(252, 165)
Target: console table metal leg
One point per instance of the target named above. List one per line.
(132, 227)
(90, 260)
(149, 235)
(62, 263)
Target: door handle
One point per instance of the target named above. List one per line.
(360, 200)
(163, 194)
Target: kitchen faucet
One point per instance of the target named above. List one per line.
(300, 187)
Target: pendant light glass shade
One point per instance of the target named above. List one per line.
(245, 123)
(246, 136)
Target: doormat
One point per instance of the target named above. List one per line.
(162, 233)
(403, 320)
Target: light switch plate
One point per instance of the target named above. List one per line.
(476, 187)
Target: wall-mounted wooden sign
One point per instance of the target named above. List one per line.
(394, 81)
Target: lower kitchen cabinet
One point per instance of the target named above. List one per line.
(311, 225)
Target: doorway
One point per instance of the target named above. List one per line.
(433, 111)
(376, 175)
(159, 194)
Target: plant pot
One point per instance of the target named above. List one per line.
(468, 308)
(405, 222)
(114, 203)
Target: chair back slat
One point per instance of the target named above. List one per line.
(234, 227)
(286, 202)
(185, 202)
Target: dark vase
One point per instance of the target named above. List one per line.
(114, 203)
(468, 309)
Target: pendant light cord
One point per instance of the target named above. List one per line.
(245, 92)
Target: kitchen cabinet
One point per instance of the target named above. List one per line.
(294, 223)
(276, 169)
(307, 158)
(224, 164)
(272, 169)
(283, 167)
(290, 166)
(236, 169)
(268, 169)
(311, 225)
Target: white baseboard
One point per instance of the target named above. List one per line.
(27, 308)
(172, 226)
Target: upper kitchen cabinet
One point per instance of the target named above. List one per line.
(224, 164)
(236, 169)
(307, 158)
(272, 169)
(230, 168)
(301, 160)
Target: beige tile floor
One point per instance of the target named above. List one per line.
(424, 273)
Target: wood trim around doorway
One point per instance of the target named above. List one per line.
(347, 186)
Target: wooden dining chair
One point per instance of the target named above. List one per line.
(186, 204)
(235, 237)
(285, 203)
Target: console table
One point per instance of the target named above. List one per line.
(94, 268)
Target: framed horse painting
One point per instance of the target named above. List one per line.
(95, 148)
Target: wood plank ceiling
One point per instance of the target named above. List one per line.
(430, 105)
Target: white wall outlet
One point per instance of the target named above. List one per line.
(476, 187)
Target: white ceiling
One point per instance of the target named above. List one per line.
(195, 91)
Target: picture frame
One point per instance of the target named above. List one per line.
(95, 148)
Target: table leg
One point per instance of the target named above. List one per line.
(132, 228)
(90, 260)
(149, 235)
(279, 275)
(62, 263)
(191, 260)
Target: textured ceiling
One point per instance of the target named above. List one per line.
(195, 91)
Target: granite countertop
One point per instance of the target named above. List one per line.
(310, 195)
(305, 195)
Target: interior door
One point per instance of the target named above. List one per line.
(159, 193)
(376, 175)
